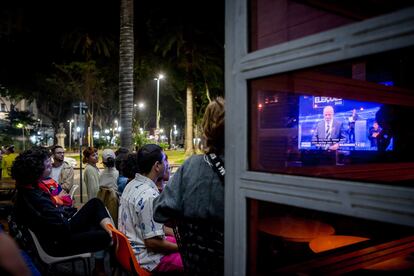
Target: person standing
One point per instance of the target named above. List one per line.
(154, 251)
(91, 175)
(108, 184)
(194, 200)
(374, 131)
(62, 172)
(7, 162)
(351, 126)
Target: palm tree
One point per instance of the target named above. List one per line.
(126, 71)
(201, 69)
(195, 50)
(90, 44)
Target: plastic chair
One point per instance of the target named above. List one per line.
(73, 190)
(125, 255)
(52, 260)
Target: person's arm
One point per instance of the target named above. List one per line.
(10, 258)
(160, 245)
(67, 179)
(168, 231)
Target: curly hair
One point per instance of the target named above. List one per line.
(213, 126)
(28, 167)
(88, 152)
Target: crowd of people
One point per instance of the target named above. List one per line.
(134, 193)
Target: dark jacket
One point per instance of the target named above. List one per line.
(34, 209)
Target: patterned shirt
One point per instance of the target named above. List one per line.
(136, 221)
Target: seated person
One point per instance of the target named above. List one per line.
(121, 156)
(128, 169)
(59, 233)
(162, 181)
(58, 195)
(11, 261)
(193, 200)
(153, 250)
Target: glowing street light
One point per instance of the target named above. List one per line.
(140, 105)
(20, 125)
(160, 77)
(70, 133)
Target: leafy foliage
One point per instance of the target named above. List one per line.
(140, 139)
(21, 119)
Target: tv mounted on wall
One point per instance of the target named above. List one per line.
(337, 123)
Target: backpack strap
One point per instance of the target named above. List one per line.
(218, 165)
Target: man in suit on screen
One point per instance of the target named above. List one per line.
(329, 131)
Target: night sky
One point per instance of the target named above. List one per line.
(31, 32)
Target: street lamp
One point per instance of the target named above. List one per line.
(175, 134)
(140, 105)
(20, 125)
(70, 133)
(160, 77)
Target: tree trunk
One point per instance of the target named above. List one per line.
(189, 149)
(126, 72)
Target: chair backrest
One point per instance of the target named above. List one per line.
(124, 253)
(48, 259)
(73, 190)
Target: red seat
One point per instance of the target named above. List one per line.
(125, 255)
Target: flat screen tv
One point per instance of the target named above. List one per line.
(348, 125)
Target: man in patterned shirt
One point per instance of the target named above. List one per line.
(153, 249)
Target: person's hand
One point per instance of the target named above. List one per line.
(334, 146)
(375, 134)
(62, 193)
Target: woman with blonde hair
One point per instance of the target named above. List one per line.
(193, 200)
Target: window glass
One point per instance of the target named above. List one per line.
(350, 120)
(285, 20)
(285, 240)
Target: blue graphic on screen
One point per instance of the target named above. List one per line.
(353, 126)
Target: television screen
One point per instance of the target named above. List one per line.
(336, 123)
